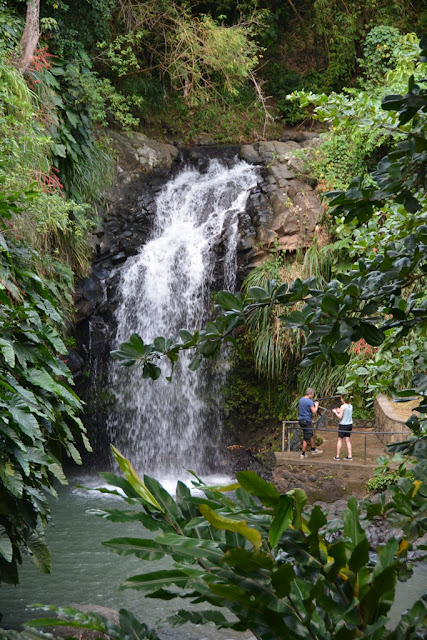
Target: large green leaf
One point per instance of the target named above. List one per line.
(372, 334)
(42, 379)
(192, 547)
(258, 487)
(12, 480)
(8, 352)
(203, 617)
(282, 520)
(134, 480)
(6, 549)
(300, 500)
(141, 548)
(352, 528)
(282, 580)
(163, 498)
(26, 421)
(330, 305)
(240, 526)
(229, 301)
(379, 598)
(183, 495)
(249, 561)
(131, 628)
(315, 541)
(39, 551)
(158, 579)
(258, 293)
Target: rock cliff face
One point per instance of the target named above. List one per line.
(282, 211)
(285, 210)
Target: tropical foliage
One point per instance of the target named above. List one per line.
(39, 412)
(163, 62)
(380, 300)
(42, 238)
(278, 565)
(171, 63)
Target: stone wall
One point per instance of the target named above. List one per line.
(320, 480)
(388, 420)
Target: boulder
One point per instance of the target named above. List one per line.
(279, 202)
(297, 186)
(80, 632)
(247, 242)
(281, 173)
(296, 164)
(137, 152)
(290, 243)
(298, 136)
(313, 143)
(284, 147)
(204, 140)
(286, 223)
(308, 204)
(249, 154)
(89, 294)
(266, 236)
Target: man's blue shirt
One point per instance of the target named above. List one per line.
(304, 409)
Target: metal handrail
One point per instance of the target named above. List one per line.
(294, 424)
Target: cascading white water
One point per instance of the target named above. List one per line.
(165, 426)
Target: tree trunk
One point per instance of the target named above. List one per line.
(31, 35)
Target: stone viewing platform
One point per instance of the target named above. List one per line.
(322, 477)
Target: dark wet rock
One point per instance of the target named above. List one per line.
(74, 362)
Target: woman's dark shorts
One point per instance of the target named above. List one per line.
(307, 430)
(344, 430)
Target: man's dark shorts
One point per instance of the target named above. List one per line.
(307, 430)
(344, 430)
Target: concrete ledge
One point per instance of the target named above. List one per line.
(321, 479)
(388, 420)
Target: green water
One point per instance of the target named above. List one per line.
(84, 572)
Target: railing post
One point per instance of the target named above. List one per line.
(365, 449)
(283, 436)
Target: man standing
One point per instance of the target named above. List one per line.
(307, 408)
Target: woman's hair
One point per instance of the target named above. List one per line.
(345, 398)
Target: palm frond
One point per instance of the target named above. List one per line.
(275, 348)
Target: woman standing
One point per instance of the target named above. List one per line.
(345, 415)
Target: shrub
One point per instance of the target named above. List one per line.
(378, 484)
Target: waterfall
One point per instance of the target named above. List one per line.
(164, 426)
